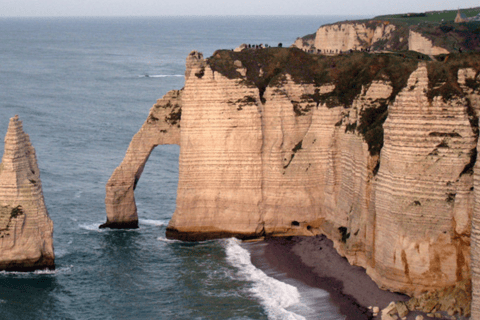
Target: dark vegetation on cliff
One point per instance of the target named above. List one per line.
(452, 36)
(437, 26)
(8, 213)
(442, 75)
(350, 73)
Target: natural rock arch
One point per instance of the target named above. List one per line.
(161, 127)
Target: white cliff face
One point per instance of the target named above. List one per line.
(375, 35)
(219, 187)
(26, 230)
(417, 42)
(356, 36)
(475, 233)
(277, 161)
(423, 199)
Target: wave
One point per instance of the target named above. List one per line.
(163, 239)
(151, 222)
(160, 75)
(37, 272)
(95, 226)
(274, 295)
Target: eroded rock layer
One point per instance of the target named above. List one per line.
(26, 230)
(376, 152)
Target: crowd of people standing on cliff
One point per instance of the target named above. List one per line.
(259, 46)
(336, 51)
(312, 51)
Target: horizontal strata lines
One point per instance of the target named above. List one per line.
(419, 153)
(415, 192)
(427, 123)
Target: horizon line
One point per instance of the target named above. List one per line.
(191, 15)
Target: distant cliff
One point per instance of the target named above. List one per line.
(374, 150)
(386, 35)
(26, 231)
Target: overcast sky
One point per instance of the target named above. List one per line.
(48, 8)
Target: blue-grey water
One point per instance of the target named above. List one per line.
(79, 86)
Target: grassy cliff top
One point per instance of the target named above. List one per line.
(434, 17)
(446, 34)
(348, 72)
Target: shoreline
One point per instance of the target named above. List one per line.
(314, 262)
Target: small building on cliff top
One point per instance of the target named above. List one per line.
(461, 17)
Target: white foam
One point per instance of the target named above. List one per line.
(153, 222)
(95, 226)
(37, 272)
(275, 296)
(163, 239)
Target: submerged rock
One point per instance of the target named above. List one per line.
(26, 230)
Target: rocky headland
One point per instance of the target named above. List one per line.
(376, 151)
(424, 33)
(26, 231)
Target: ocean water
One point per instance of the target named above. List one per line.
(80, 87)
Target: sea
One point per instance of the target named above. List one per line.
(83, 87)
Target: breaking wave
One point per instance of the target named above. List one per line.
(37, 272)
(274, 295)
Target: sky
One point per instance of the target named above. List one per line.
(59, 8)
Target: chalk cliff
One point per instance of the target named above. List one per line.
(384, 35)
(375, 151)
(345, 36)
(26, 230)
(419, 43)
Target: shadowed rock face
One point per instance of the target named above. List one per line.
(26, 230)
(383, 166)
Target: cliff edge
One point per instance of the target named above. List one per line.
(26, 231)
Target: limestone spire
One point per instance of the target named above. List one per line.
(26, 229)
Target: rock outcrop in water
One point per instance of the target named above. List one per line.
(374, 151)
(26, 230)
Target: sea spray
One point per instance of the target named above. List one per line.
(275, 296)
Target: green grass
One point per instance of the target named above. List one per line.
(431, 17)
